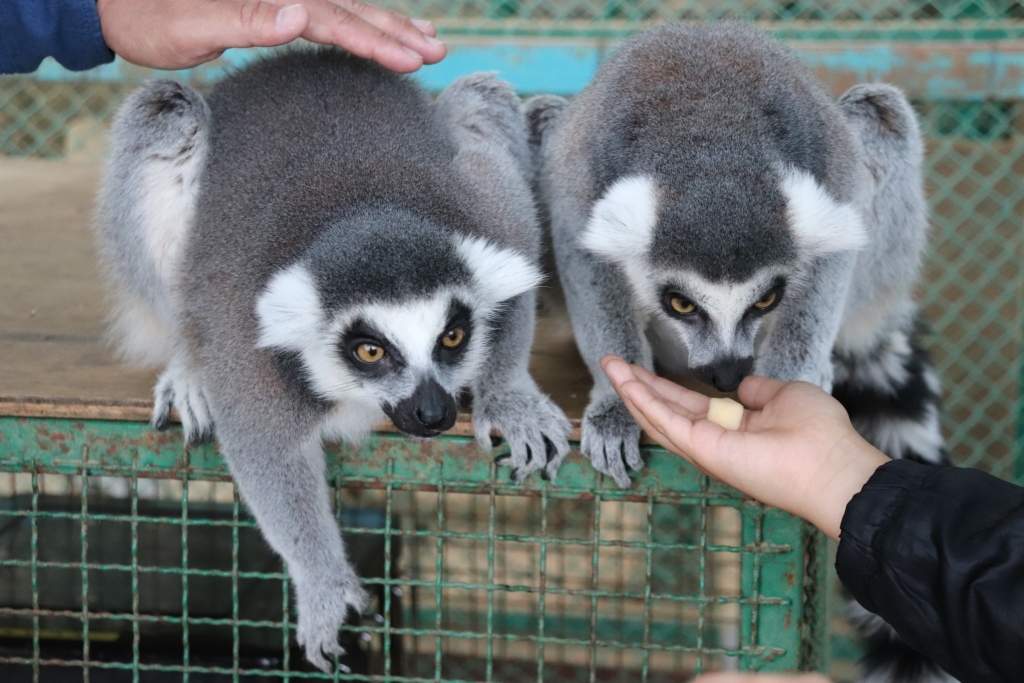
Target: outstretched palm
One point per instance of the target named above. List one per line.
(795, 448)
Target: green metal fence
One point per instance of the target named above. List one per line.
(123, 557)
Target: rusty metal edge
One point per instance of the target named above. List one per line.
(139, 411)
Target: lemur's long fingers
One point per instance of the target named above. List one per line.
(163, 395)
(482, 432)
(610, 462)
(632, 454)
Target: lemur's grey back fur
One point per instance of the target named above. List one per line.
(884, 376)
(691, 142)
(334, 203)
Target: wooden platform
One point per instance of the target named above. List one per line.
(54, 361)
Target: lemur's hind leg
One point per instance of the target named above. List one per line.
(883, 376)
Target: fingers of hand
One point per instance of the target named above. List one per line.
(246, 23)
(693, 402)
(426, 27)
(332, 24)
(417, 35)
(668, 427)
(662, 440)
(618, 370)
(670, 423)
(368, 31)
(756, 392)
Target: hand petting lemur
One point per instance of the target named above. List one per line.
(178, 34)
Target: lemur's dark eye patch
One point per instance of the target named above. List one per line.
(370, 353)
(682, 305)
(366, 350)
(766, 301)
(771, 298)
(454, 340)
(453, 337)
(677, 304)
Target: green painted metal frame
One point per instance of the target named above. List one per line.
(781, 567)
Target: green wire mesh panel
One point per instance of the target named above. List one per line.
(973, 287)
(820, 18)
(123, 558)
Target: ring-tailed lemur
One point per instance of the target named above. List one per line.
(712, 210)
(314, 247)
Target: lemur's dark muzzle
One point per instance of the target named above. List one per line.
(428, 412)
(725, 374)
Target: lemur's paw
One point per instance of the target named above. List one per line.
(536, 429)
(611, 439)
(323, 606)
(181, 388)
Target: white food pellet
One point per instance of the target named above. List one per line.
(726, 413)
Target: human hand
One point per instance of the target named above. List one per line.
(795, 449)
(178, 34)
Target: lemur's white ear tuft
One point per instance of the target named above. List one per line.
(622, 222)
(501, 274)
(289, 311)
(820, 224)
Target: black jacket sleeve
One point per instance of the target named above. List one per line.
(67, 30)
(938, 552)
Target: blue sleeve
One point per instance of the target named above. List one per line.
(67, 30)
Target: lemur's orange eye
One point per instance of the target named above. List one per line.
(370, 353)
(767, 301)
(682, 306)
(453, 337)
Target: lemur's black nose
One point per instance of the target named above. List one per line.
(431, 413)
(725, 374)
(427, 412)
(433, 406)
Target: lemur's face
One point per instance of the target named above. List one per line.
(411, 359)
(715, 314)
(717, 321)
(407, 358)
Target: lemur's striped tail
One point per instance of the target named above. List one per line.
(893, 398)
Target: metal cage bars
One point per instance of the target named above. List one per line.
(771, 594)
